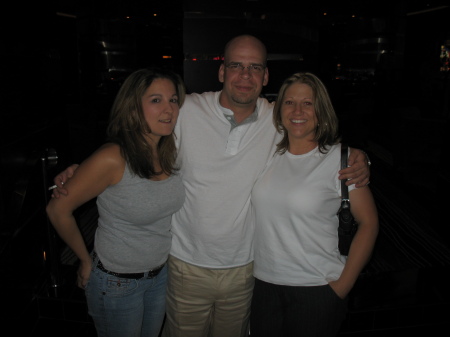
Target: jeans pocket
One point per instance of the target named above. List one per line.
(116, 286)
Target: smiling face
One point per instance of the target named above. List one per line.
(160, 108)
(298, 115)
(242, 87)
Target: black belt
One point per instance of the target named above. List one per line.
(151, 273)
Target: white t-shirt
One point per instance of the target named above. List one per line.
(215, 226)
(296, 199)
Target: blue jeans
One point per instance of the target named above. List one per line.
(122, 307)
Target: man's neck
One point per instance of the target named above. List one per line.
(241, 112)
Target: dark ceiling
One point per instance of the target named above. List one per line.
(241, 7)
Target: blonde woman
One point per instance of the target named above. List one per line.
(302, 281)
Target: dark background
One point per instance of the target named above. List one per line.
(63, 61)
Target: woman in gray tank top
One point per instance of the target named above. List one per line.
(137, 186)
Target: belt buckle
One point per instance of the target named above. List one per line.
(153, 273)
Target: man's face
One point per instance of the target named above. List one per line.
(241, 75)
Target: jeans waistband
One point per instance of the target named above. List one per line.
(151, 273)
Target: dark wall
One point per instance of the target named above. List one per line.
(32, 98)
(62, 64)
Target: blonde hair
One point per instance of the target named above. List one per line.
(327, 129)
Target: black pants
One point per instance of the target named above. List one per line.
(287, 311)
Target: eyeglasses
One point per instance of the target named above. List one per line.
(252, 68)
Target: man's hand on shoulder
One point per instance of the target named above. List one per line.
(358, 170)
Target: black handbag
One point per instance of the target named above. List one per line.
(347, 223)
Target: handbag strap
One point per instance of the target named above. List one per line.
(344, 155)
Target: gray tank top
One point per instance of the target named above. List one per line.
(134, 224)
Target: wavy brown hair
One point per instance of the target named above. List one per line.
(327, 128)
(127, 125)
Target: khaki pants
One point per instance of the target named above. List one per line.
(205, 302)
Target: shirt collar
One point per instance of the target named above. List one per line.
(229, 115)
